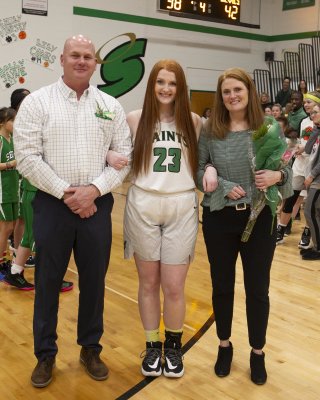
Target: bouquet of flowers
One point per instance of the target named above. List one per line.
(306, 132)
(268, 146)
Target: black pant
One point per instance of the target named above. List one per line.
(312, 215)
(58, 231)
(222, 232)
(290, 202)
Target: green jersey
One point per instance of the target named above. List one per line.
(295, 118)
(26, 185)
(9, 178)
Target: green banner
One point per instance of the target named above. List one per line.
(292, 4)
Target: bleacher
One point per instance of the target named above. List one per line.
(302, 64)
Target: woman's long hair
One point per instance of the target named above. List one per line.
(150, 119)
(220, 119)
(305, 89)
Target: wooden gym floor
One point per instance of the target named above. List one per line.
(292, 350)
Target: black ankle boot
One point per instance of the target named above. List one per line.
(258, 369)
(223, 363)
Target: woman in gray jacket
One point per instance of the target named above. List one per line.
(312, 183)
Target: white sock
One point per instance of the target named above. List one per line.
(16, 269)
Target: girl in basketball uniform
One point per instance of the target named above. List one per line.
(9, 184)
(161, 214)
(24, 252)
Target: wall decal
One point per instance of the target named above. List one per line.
(122, 68)
(12, 29)
(12, 73)
(42, 54)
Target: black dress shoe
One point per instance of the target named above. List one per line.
(305, 251)
(311, 255)
(223, 364)
(258, 369)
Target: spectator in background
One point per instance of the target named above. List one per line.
(24, 246)
(268, 111)
(291, 205)
(312, 183)
(283, 122)
(17, 96)
(287, 109)
(277, 110)
(295, 116)
(310, 99)
(15, 100)
(206, 114)
(297, 113)
(265, 100)
(302, 87)
(284, 95)
(9, 184)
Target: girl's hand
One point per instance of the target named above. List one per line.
(116, 160)
(236, 193)
(210, 179)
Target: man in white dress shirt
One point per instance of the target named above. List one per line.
(62, 135)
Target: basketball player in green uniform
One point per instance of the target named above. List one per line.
(14, 275)
(9, 184)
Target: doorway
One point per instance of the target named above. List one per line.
(201, 99)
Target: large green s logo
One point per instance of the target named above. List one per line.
(122, 68)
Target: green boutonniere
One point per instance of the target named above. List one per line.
(104, 114)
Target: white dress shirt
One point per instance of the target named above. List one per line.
(60, 141)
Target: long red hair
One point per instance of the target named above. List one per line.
(150, 119)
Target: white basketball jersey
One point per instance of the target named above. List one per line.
(168, 170)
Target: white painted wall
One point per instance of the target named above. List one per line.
(203, 56)
(54, 29)
(293, 21)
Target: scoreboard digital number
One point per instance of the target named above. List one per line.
(219, 10)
